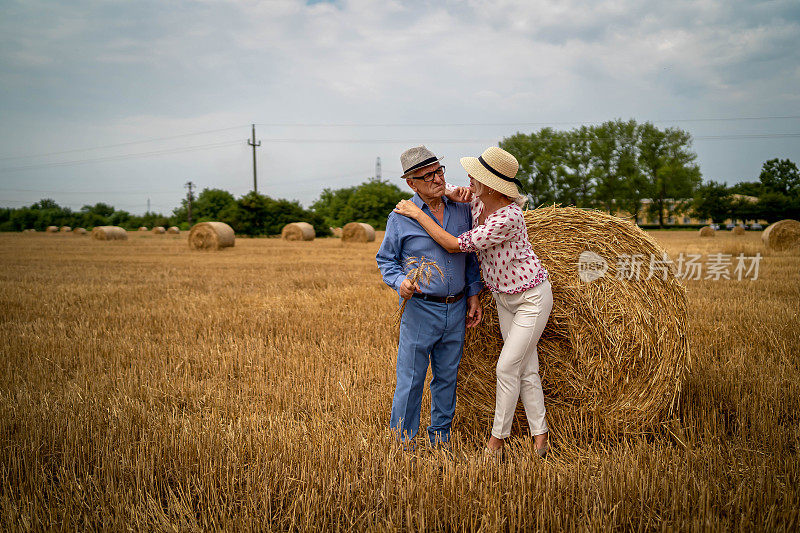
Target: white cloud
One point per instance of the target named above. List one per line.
(97, 73)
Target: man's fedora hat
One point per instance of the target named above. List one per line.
(495, 168)
(416, 158)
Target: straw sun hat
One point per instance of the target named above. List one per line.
(495, 168)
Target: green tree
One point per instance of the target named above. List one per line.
(780, 176)
(256, 214)
(206, 207)
(748, 188)
(666, 159)
(712, 200)
(576, 184)
(773, 206)
(371, 202)
(540, 162)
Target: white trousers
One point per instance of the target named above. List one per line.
(522, 317)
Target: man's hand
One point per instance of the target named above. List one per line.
(474, 311)
(460, 194)
(407, 289)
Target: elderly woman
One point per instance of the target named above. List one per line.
(516, 277)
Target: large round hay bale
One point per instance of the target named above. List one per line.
(298, 231)
(707, 231)
(79, 231)
(737, 230)
(358, 232)
(173, 230)
(52, 229)
(65, 229)
(337, 232)
(782, 235)
(211, 236)
(109, 233)
(29, 230)
(159, 230)
(613, 355)
(143, 228)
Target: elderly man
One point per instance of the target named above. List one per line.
(435, 317)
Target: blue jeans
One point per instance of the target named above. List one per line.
(432, 332)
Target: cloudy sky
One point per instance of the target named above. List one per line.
(124, 101)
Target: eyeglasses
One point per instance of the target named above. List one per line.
(430, 176)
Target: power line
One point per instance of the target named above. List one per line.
(544, 123)
(122, 156)
(157, 139)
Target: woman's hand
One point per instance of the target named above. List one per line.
(461, 195)
(408, 208)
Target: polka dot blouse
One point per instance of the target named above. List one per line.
(508, 263)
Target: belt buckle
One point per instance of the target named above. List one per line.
(449, 299)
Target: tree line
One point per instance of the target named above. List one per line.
(648, 172)
(251, 214)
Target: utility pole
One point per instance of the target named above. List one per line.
(378, 168)
(148, 206)
(254, 145)
(189, 197)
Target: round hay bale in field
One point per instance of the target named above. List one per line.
(707, 231)
(52, 229)
(109, 233)
(29, 230)
(173, 230)
(65, 229)
(211, 236)
(79, 231)
(143, 228)
(737, 230)
(159, 230)
(614, 353)
(358, 232)
(337, 232)
(782, 235)
(298, 231)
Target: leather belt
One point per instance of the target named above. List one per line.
(439, 299)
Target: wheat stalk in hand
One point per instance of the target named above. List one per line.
(419, 271)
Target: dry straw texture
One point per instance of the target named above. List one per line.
(211, 236)
(298, 231)
(65, 229)
(613, 355)
(79, 231)
(109, 233)
(738, 230)
(173, 230)
(159, 230)
(781, 236)
(264, 405)
(337, 232)
(52, 229)
(358, 232)
(707, 231)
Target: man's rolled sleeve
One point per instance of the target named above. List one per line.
(389, 258)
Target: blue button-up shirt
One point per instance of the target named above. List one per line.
(405, 238)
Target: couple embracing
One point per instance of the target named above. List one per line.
(466, 231)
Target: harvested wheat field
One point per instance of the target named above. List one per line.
(146, 386)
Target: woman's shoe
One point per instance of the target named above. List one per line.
(542, 452)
